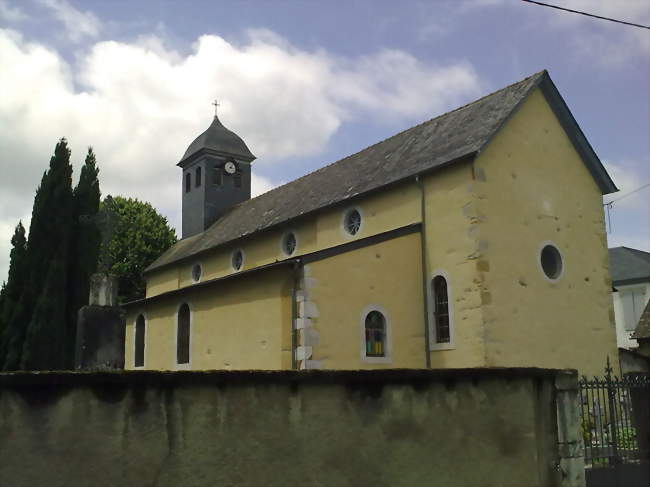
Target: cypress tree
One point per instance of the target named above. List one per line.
(47, 252)
(44, 347)
(12, 290)
(84, 248)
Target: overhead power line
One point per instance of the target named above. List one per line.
(587, 14)
(628, 194)
(610, 204)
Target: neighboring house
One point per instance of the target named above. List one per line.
(465, 241)
(630, 271)
(642, 333)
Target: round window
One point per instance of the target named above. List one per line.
(289, 243)
(352, 222)
(237, 260)
(196, 272)
(551, 261)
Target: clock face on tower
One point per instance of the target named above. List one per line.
(230, 167)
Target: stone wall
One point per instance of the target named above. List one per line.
(475, 427)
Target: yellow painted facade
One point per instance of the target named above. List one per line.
(482, 223)
(537, 190)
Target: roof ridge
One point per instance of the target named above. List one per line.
(527, 78)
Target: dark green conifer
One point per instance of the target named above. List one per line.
(84, 248)
(44, 347)
(47, 249)
(13, 288)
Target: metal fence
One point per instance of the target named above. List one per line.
(614, 419)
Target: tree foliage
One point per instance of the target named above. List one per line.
(84, 248)
(48, 248)
(141, 236)
(13, 288)
(49, 272)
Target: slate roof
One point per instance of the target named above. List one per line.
(642, 330)
(628, 265)
(219, 139)
(454, 136)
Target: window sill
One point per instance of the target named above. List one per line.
(435, 347)
(377, 360)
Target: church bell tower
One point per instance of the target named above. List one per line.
(216, 176)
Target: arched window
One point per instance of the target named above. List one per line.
(375, 334)
(197, 177)
(188, 182)
(183, 335)
(441, 310)
(138, 359)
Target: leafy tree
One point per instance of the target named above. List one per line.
(13, 288)
(46, 264)
(84, 247)
(141, 236)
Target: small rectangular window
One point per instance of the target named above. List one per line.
(139, 341)
(198, 177)
(237, 178)
(183, 335)
(188, 182)
(217, 176)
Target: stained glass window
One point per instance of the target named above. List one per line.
(375, 334)
(441, 310)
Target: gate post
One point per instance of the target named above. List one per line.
(571, 461)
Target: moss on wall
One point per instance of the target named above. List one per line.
(383, 428)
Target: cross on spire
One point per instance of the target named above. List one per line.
(216, 106)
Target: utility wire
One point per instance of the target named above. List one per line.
(587, 14)
(628, 194)
(610, 204)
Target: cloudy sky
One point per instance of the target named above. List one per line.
(303, 82)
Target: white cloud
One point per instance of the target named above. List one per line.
(140, 104)
(9, 13)
(78, 24)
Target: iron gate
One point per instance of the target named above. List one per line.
(616, 429)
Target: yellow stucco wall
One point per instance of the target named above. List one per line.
(452, 252)
(485, 223)
(537, 189)
(385, 276)
(390, 209)
(240, 324)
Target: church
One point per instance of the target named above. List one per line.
(475, 239)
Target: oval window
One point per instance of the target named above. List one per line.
(352, 221)
(551, 261)
(196, 272)
(237, 260)
(289, 243)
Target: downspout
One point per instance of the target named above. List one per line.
(294, 313)
(425, 278)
